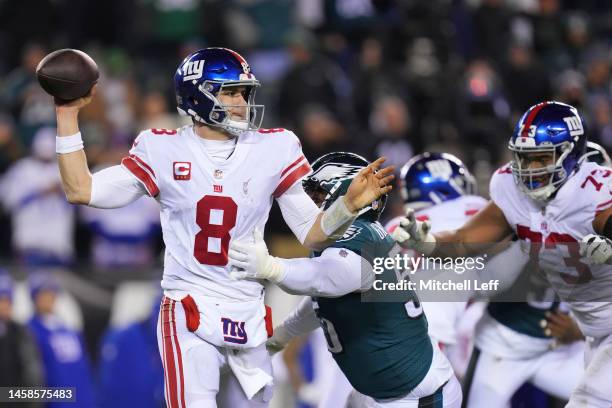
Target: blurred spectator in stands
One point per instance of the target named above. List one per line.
(600, 125)
(428, 81)
(123, 237)
(22, 96)
(312, 80)
(597, 70)
(20, 363)
(390, 123)
(526, 82)
(120, 97)
(570, 88)
(483, 111)
(170, 22)
(373, 77)
(42, 219)
(23, 22)
(492, 29)
(577, 37)
(10, 146)
(549, 35)
(154, 113)
(62, 349)
(320, 132)
(130, 372)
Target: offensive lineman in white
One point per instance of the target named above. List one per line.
(215, 181)
(561, 208)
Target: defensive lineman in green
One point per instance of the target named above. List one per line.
(380, 344)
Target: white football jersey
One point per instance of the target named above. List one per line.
(205, 202)
(554, 233)
(443, 317)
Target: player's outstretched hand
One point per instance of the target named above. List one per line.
(368, 185)
(597, 248)
(251, 260)
(414, 234)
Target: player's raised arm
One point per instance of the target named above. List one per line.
(371, 183)
(76, 178)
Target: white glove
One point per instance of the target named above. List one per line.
(597, 248)
(414, 234)
(252, 260)
(278, 341)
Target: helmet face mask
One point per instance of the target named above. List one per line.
(547, 145)
(204, 77)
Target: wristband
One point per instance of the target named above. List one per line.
(336, 216)
(68, 144)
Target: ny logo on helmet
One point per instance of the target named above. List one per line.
(574, 124)
(193, 70)
(440, 169)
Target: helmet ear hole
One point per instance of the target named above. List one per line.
(193, 101)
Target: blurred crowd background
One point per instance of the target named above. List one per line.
(376, 77)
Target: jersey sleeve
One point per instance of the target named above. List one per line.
(497, 186)
(295, 165)
(599, 184)
(138, 163)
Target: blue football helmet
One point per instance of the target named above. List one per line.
(432, 178)
(597, 154)
(552, 129)
(199, 79)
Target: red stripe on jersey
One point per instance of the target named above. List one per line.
(422, 218)
(531, 117)
(179, 357)
(142, 163)
(172, 398)
(161, 328)
(141, 175)
(471, 211)
(294, 176)
(292, 165)
(604, 204)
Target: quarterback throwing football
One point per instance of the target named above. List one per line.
(215, 181)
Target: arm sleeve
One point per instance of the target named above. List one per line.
(336, 272)
(301, 321)
(138, 162)
(295, 166)
(115, 187)
(299, 211)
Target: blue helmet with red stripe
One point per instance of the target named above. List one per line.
(202, 75)
(432, 178)
(547, 145)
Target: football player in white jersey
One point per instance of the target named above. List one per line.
(439, 187)
(560, 207)
(536, 341)
(215, 181)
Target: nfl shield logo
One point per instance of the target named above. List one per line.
(218, 174)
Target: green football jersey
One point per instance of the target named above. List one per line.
(381, 346)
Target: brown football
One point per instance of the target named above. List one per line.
(67, 74)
